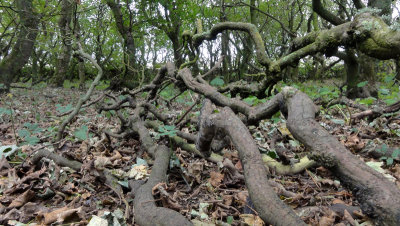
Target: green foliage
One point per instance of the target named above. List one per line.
(169, 92)
(217, 81)
(174, 161)
(103, 84)
(252, 100)
(27, 134)
(367, 101)
(5, 111)
(229, 220)
(82, 133)
(389, 160)
(62, 109)
(362, 84)
(166, 130)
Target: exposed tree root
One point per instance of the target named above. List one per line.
(375, 198)
(58, 159)
(281, 169)
(83, 99)
(145, 210)
(270, 208)
(378, 197)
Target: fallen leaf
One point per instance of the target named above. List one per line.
(216, 178)
(101, 162)
(22, 199)
(59, 215)
(251, 219)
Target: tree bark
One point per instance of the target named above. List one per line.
(24, 45)
(129, 41)
(66, 31)
(378, 197)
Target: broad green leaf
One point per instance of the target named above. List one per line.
(384, 91)
(23, 133)
(396, 153)
(81, 133)
(63, 109)
(5, 111)
(32, 140)
(324, 91)
(229, 220)
(250, 100)
(217, 81)
(362, 84)
(367, 101)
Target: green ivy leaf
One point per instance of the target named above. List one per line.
(5, 111)
(384, 91)
(362, 84)
(63, 109)
(32, 140)
(324, 91)
(250, 100)
(217, 81)
(81, 133)
(367, 101)
(229, 220)
(396, 153)
(23, 133)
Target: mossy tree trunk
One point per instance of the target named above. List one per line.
(23, 47)
(63, 60)
(129, 41)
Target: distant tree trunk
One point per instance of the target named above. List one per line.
(81, 72)
(352, 67)
(248, 50)
(81, 62)
(173, 35)
(64, 58)
(129, 41)
(225, 45)
(24, 45)
(35, 67)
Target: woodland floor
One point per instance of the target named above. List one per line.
(198, 189)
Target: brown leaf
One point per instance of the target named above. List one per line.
(349, 218)
(239, 166)
(338, 201)
(251, 219)
(216, 178)
(326, 221)
(353, 142)
(22, 199)
(227, 199)
(59, 215)
(101, 162)
(242, 197)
